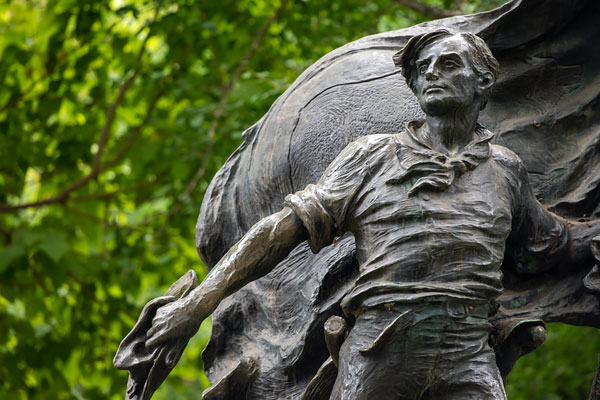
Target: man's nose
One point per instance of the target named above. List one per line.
(431, 74)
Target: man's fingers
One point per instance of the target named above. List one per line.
(156, 335)
(157, 332)
(152, 331)
(158, 324)
(159, 302)
(153, 342)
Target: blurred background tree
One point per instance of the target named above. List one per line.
(114, 116)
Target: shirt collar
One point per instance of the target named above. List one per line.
(479, 144)
(432, 169)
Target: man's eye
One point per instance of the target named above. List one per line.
(422, 69)
(449, 64)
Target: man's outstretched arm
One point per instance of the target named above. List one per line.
(320, 208)
(265, 245)
(544, 241)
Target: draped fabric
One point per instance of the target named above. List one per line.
(545, 107)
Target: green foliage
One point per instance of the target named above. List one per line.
(562, 369)
(114, 116)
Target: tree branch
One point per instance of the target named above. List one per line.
(101, 143)
(131, 140)
(426, 10)
(110, 116)
(17, 99)
(220, 111)
(108, 195)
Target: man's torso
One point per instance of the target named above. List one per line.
(434, 242)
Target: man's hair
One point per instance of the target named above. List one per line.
(481, 58)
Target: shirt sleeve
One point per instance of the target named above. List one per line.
(539, 238)
(324, 206)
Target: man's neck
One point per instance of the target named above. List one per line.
(451, 133)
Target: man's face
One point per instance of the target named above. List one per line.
(446, 80)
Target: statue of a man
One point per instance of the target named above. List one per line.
(433, 210)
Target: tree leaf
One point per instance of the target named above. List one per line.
(54, 244)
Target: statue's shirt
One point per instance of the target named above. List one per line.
(427, 225)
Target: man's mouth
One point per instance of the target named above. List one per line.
(433, 88)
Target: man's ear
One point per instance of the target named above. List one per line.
(485, 81)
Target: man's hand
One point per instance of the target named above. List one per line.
(176, 319)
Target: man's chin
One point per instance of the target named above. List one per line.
(437, 106)
(434, 105)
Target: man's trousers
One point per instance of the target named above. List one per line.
(435, 351)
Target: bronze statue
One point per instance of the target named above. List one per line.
(431, 209)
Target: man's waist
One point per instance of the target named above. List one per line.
(448, 306)
(377, 293)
